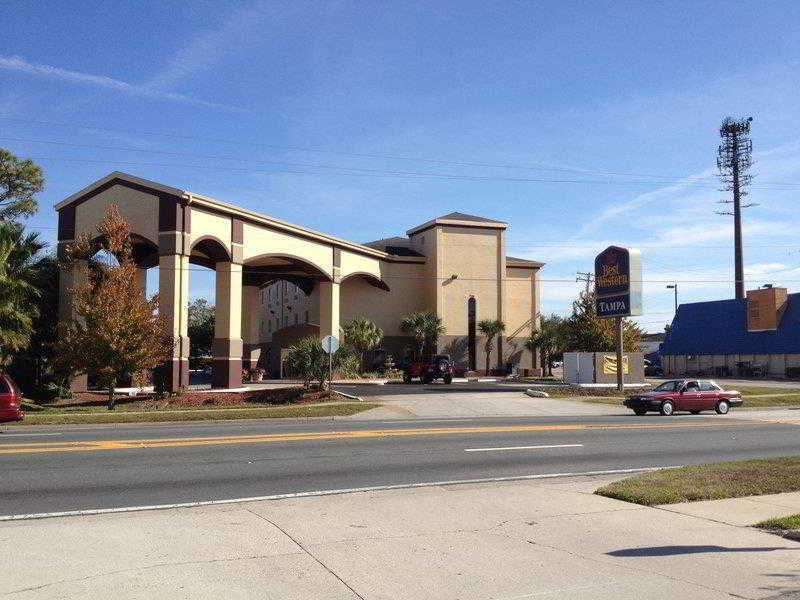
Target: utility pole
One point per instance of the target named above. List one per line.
(674, 286)
(587, 277)
(734, 159)
(620, 353)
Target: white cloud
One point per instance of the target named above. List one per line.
(17, 63)
(245, 25)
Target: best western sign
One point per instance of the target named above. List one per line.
(618, 282)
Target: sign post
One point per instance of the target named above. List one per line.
(330, 343)
(618, 291)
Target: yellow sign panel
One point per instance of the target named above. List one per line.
(610, 365)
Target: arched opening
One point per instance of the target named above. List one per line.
(205, 319)
(371, 279)
(280, 306)
(472, 332)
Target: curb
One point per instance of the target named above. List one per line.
(351, 397)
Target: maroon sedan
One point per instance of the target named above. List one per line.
(693, 395)
(10, 400)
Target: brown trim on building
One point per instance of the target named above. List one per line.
(237, 231)
(226, 347)
(226, 373)
(117, 181)
(66, 223)
(187, 217)
(413, 232)
(170, 214)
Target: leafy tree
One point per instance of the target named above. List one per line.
(29, 366)
(115, 333)
(490, 328)
(20, 181)
(548, 340)
(201, 327)
(584, 331)
(18, 290)
(362, 335)
(424, 327)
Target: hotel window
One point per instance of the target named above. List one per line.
(295, 318)
(306, 316)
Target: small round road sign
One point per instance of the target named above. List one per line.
(330, 343)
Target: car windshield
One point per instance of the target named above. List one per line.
(668, 386)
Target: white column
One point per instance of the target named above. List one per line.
(328, 308)
(173, 294)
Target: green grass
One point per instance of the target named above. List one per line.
(98, 415)
(781, 523)
(709, 482)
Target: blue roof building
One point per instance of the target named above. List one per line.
(752, 337)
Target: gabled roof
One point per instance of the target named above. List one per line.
(720, 327)
(459, 218)
(118, 177)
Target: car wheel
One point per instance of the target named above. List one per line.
(640, 411)
(667, 408)
(723, 407)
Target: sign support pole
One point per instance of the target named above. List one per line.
(330, 372)
(620, 348)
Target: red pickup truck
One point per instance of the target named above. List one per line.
(693, 395)
(10, 400)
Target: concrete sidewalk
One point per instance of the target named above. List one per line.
(502, 541)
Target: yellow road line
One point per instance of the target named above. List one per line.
(91, 446)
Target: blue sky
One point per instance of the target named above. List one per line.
(581, 124)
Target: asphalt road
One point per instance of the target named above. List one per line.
(74, 468)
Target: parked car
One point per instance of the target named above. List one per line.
(435, 367)
(693, 395)
(10, 400)
(651, 370)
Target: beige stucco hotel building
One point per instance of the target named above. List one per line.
(277, 282)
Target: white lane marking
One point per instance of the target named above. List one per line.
(5, 435)
(376, 488)
(523, 448)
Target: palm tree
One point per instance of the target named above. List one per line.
(490, 328)
(362, 335)
(548, 340)
(18, 271)
(424, 327)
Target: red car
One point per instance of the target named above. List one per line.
(693, 395)
(436, 367)
(10, 400)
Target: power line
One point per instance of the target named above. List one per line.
(664, 179)
(540, 166)
(353, 173)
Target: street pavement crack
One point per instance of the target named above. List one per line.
(307, 551)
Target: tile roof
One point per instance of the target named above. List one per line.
(720, 327)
